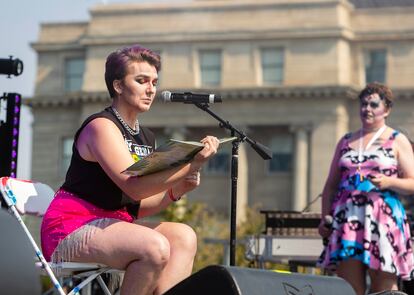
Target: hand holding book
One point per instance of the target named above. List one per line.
(171, 154)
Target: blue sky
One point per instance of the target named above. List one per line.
(19, 26)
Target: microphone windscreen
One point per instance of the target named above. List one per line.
(166, 96)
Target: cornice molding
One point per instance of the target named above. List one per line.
(231, 94)
(229, 35)
(73, 99)
(203, 6)
(44, 47)
(283, 92)
(218, 36)
(383, 36)
(407, 93)
(266, 93)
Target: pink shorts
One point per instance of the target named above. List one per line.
(66, 214)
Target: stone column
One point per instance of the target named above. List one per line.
(300, 168)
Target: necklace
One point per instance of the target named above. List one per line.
(129, 129)
(360, 176)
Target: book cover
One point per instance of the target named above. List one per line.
(171, 154)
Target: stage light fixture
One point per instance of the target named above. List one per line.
(11, 66)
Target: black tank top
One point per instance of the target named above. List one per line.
(90, 182)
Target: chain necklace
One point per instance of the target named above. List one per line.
(129, 129)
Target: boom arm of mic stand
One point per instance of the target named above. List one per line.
(263, 151)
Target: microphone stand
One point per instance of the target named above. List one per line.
(262, 150)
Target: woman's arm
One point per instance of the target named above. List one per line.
(329, 190)
(331, 185)
(101, 141)
(404, 184)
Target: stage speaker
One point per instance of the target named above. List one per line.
(18, 274)
(228, 280)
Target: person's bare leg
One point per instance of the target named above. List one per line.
(183, 246)
(141, 251)
(353, 271)
(382, 281)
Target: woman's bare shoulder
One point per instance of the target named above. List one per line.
(349, 137)
(97, 134)
(401, 138)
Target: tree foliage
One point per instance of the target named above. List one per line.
(213, 231)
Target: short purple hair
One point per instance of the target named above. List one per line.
(118, 61)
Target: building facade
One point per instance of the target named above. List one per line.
(288, 70)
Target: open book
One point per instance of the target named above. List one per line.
(171, 154)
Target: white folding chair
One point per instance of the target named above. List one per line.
(28, 197)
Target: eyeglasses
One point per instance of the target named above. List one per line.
(372, 104)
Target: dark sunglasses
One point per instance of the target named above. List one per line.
(372, 104)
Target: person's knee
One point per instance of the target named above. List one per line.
(158, 252)
(184, 238)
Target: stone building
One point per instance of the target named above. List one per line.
(288, 71)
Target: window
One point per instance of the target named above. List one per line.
(210, 67)
(375, 65)
(67, 143)
(272, 62)
(74, 68)
(219, 164)
(281, 146)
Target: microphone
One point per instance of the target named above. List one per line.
(328, 221)
(188, 97)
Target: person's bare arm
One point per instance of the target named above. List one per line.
(101, 141)
(154, 204)
(404, 184)
(330, 189)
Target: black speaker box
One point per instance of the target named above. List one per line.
(230, 280)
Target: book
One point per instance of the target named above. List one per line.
(171, 154)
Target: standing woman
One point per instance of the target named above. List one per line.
(370, 169)
(93, 217)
